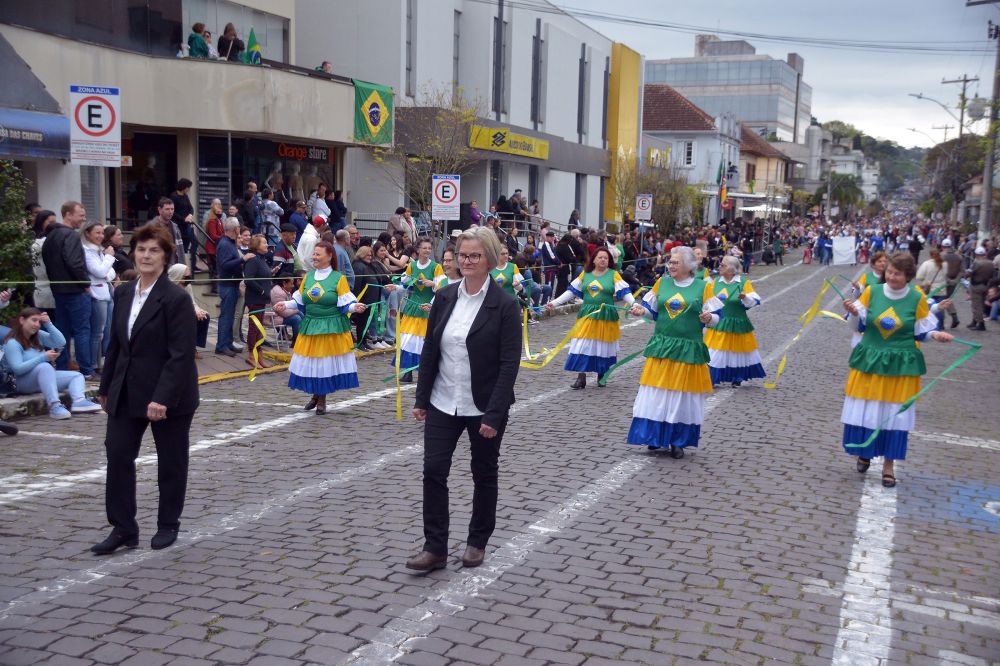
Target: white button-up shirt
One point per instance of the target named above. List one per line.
(138, 300)
(452, 391)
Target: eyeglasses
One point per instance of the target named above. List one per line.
(473, 258)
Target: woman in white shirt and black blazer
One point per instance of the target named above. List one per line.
(466, 383)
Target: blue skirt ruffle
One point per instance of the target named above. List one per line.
(890, 444)
(323, 385)
(724, 375)
(406, 360)
(660, 434)
(584, 363)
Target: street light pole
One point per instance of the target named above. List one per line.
(986, 203)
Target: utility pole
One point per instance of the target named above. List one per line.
(965, 81)
(986, 203)
(947, 127)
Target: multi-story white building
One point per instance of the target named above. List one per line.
(216, 123)
(538, 73)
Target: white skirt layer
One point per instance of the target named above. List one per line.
(656, 404)
(590, 347)
(730, 359)
(874, 414)
(411, 343)
(323, 367)
(855, 339)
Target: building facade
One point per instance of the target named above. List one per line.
(767, 95)
(214, 122)
(538, 74)
(701, 147)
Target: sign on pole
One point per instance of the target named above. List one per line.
(643, 207)
(95, 126)
(445, 197)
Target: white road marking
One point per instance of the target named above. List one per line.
(389, 645)
(949, 657)
(21, 486)
(234, 401)
(772, 297)
(53, 435)
(865, 627)
(959, 440)
(771, 275)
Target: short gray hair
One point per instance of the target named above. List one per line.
(686, 255)
(487, 238)
(342, 235)
(733, 262)
(230, 224)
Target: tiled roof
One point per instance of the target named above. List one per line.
(665, 110)
(755, 144)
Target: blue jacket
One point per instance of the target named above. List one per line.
(20, 361)
(228, 260)
(344, 264)
(299, 221)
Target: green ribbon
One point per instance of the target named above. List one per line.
(839, 293)
(603, 381)
(372, 310)
(402, 372)
(972, 351)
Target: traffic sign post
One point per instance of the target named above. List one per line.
(643, 207)
(446, 197)
(95, 126)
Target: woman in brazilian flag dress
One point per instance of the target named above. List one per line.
(732, 346)
(323, 357)
(869, 278)
(670, 405)
(886, 366)
(594, 348)
(506, 274)
(421, 278)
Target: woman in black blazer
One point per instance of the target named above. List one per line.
(149, 378)
(467, 370)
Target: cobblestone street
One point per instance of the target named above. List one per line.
(764, 545)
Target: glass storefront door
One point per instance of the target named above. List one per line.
(153, 174)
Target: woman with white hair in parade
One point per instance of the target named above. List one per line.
(670, 405)
(732, 346)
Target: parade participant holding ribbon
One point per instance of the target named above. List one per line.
(323, 357)
(874, 274)
(670, 405)
(732, 346)
(886, 367)
(594, 347)
(421, 277)
(702, 273)
(506, 274)
(450, 266)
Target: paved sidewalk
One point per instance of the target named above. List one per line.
(763, 546)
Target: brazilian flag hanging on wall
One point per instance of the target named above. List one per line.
(373, 113)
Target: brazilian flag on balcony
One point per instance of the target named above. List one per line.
(252, 55)
(373, 113)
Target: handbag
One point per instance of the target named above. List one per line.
(8, 382)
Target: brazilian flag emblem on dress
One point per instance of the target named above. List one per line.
(373, 114)
(888, 323)
(676, 305)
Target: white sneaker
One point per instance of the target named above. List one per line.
(84, 406)
(238, 347)
(59, 413)
(382, 344)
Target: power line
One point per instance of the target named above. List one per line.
(921, 47)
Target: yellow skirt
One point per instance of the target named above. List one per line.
(669, 375)
(412, 326)
(321, 346)
(743, 343)
(864, 386)
(598, 329)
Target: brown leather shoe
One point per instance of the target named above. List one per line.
(426, 561)
(473, 556)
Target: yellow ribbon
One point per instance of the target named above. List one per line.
(831, 315)
(565, 341)
(399, 389)
(805, 318)
(524, 334)
(260, 341)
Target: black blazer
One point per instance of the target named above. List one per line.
(157, 363)
(494, 345)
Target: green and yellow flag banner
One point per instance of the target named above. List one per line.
(253, 53)
(373, 113)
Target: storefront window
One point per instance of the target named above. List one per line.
(153, 173)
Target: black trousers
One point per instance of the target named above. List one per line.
(441, 433)
(122, 445)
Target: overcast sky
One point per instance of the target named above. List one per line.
(868, 90)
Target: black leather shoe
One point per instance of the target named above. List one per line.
(311, 404)
(954, 322)
(8, 429)
(676, 452)
(581, 381)
(163, 538)
(114, 542)
(426, 561)
(407, 377)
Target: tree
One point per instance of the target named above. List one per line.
(844, 191)
(434, 141)
(801, 200)
(15, 237)
(624, 178)
(953, 163)
(675, 203)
